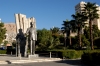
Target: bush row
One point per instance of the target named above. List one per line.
(91, 58)
(2, 51)
(8, 51)
(66, 54)
(72, 54)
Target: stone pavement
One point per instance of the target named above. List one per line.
(8, 59)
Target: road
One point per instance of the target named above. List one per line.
(57, 63)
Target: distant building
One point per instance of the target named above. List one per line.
(11, 32)
(79, 7)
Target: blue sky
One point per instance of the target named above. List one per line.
(48, 13)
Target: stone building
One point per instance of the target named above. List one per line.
(10, 32)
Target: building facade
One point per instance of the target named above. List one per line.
(79, 7)
(10, 32)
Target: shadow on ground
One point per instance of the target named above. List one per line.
(76, 62)
(8, 61)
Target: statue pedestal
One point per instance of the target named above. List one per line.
(33, 56)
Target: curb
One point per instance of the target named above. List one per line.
(3, 62)
(29, 61)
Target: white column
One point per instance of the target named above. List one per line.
(17, 23)
(24, 24)
(21, 22)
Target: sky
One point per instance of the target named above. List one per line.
(48, 13)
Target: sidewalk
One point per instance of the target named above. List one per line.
(8, 59)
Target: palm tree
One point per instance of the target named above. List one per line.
(90, 10)
(54, 30)
(55, 36)
(67, 30)
(79, 21)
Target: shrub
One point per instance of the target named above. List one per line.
(92, 57)
(72, 54)
(67, 54)
(2, 51)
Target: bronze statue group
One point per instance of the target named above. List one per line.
(26, 41)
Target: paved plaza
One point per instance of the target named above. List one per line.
(9, 60)
(55, 63)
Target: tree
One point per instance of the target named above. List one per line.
(87, 32)
(45, 40)
(85, 42)
(5, 43)
(90, 10)
(55, 32)
(56, 36)
(66, 29)
(96, 35)
(79, 20)
(14, 43)
(2, 32)
(96, 32)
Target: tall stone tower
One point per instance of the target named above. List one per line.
(23, 23)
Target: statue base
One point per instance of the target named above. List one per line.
(33, 56)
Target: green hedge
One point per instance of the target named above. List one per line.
(85, 55)
(72, 54)
(92, 57)
(2, 51)
(68, 54)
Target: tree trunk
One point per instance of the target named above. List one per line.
(65, 41)
(70, 42)
(91, 36)
(79, 36)
(80, 43)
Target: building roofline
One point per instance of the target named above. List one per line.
(9, 23)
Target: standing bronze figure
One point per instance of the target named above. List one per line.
(32, 35)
